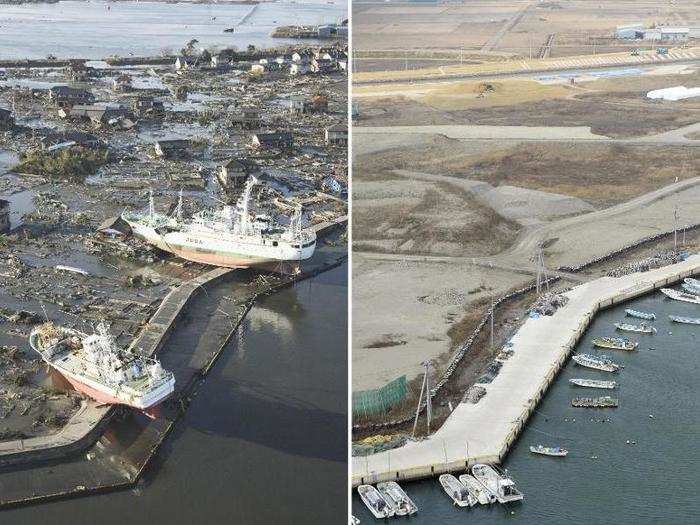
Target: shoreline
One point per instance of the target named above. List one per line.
(541, 347)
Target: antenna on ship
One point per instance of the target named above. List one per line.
(151, 205)
(178, 208)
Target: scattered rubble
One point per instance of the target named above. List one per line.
(655, 261)
(548, 303)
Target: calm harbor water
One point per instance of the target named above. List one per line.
(604, 480)
(264, 436)
(98, 29)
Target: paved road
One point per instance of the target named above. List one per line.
(531, 133)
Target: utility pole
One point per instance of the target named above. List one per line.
(428, 404)
(493, 311)
(420, 398)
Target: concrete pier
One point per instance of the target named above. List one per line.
(484, 432)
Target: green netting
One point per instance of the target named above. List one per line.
(370, 402)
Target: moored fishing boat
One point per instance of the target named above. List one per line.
(594, 383)
(641, 328)
(596, 362)
(457, 491)
(374, 501)
(477, 490)
(640, 315)
(615, 343)
(500, 485)
(691, 288)
(549, 451)
(396, 498)
(680, 296)
(595, 402)
(684, 320)
(692, 282)
(354, 520)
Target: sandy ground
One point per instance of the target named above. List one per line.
(413, 306)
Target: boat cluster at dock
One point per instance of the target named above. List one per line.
(483, 485)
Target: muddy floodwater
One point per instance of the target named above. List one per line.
(268, 423)
(100, 29)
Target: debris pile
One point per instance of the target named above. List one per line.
(655, 261)
(548, 303)
(474, 394)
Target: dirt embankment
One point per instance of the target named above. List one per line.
(613, 173)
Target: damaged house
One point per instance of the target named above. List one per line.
(4, 216)
(56, 140)
(64, 96)
(173, 148)
(148, 106)
(7, 121)
(337, 135)
(100, 115)
(122, 84)
(247, 118)
(233, 175)
(277, 140)
(77, 71)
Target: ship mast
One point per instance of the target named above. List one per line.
(178, 208)
(151, 205)
(245, 219)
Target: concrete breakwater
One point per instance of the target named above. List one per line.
(484, 432)
(116, 455)
(468, 344)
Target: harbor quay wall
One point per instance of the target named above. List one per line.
(95, 472)
(486, 431)
(88, 423)
(468, 344)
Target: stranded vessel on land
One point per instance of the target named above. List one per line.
(97, 367)
(231, 237)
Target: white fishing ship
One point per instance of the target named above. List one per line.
(557, 452)
(640, 315)
(102, 370)
(684, 320)
(691, 289)
(397, 499)
(641, 328)
(594, 383)
(457, 491)
(692, 282)
(597, 363)
(477, 490)
(681, 296)
(231, 236)
(500, 485)
(374, 501)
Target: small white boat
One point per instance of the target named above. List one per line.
(692, 282)
(497, 484)
(684, 320)
(354, 520)
(397, 499)
(593, 383)
(557, 452)
(596, 362)
(477, 490)
(457, 491)
(681, 296)
(641, 328)
(690, 288)
(640, 315)
(374, 501)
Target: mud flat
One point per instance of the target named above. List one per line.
(484, 432)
